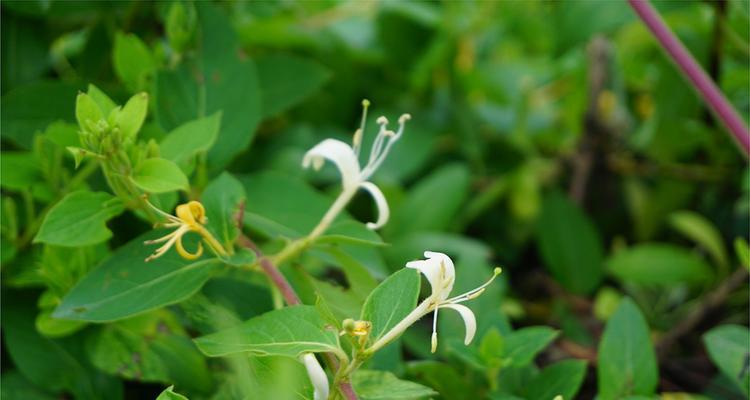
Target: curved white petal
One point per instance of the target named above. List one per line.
(439, 271)
(338, 153)
(383, 210)
(317, 376)
(469, 320)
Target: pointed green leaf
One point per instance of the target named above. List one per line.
(699, 229)
(169, 394)
(570, 245)
(288, 332)
(131, 117)
(521, 346)
(191, 138)
(133, 62)
(658, 264)
(627, 363)
(391, 301)
(106, 105)
(563, 378)
(222, 198)
(125, 285)
(383, 385)
(727, 346)
(87, 111)
(79, 219)
(157, 175)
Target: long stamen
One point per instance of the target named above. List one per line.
(161, 239)
(374, 164)
(357, 142)
(163, 249)
(170, 217)
(433, 340)
(377, 145)
(475, 292)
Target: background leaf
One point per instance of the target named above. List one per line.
(391, 301)
(658, 264)
(79, 219)
(289, 331)
(569, 244)
(627, 364)
(158, 175)
(125, 285)
(727, 346)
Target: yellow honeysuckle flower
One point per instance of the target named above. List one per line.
(190, 217)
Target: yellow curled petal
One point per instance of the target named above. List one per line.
(191, 213)
(185, 254)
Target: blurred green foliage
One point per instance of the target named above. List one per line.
(552, 138)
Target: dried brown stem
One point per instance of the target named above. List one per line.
(710, 303)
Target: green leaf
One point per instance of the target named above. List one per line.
(191, 138)
(383, 385)
(131, 117)
(150, 348)
(222, 198)
(743, 252)
(562, 378)
(289, 332)
(55, 365)
(658, 264)
(391, 301)
(169, 394)
(158, 175)
(444, 190)
(180, 25)
(569, 245)
(87, 111)
(521, 347)
(16, 387)
(19, 170)
(286, 80)
(106, 105)
(702, 231)
(133, 62)
(727, 346)
(627, 363)
(350, 232)
(79, 219)
(218, 80)
(125, 285)
(30, 108)
(278, 204)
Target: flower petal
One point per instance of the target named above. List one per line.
(439, 271)
(383, 210)
(469, 320)
(318, 377)
(338, 153)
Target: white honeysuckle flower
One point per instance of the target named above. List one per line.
(354, 177)
(440, 273)
(318, 377)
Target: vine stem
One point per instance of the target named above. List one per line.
(287, 292)
(702, 83)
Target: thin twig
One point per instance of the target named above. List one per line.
(287, 291)
(711, 302)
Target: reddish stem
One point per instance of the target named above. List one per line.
(287, 291)
(708, 90)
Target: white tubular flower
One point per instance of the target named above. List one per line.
(354, 177)
(440, 273)
(318, 377)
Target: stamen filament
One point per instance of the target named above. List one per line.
(468, 295)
